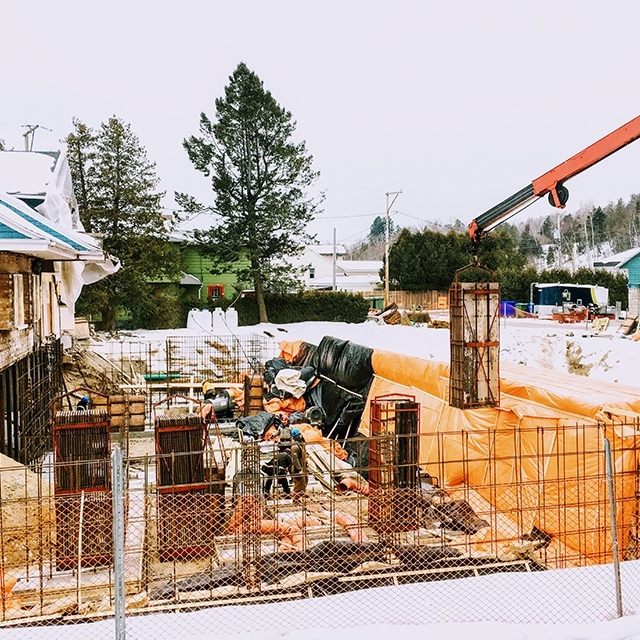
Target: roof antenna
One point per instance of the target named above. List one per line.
(31, 131)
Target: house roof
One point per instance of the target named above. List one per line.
(23, 230)
(617, 260)
(201, 221)
(27, 173)
(359, 266)
(327, 249)
(632, 254)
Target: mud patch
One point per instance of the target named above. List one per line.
(575, 359)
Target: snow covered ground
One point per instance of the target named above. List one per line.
(417, 611)
(422, 611)
(544, 344)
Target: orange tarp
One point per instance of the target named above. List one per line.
(537, 459)
(514, 457)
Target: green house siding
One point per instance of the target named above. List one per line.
(200, 266)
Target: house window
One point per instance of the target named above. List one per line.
(312, 273)
(215, 291)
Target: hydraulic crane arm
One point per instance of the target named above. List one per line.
(552, 182)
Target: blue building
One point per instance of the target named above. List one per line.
(628, 261)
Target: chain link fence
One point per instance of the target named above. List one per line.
(395, 528)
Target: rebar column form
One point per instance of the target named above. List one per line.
(474, 379)
(250, 490)
(189, 509)
(394, 466)
(81, 485)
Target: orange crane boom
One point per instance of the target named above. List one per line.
(552, 182)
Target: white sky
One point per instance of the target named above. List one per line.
(458, 104)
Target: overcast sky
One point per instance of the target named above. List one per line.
(459, 104)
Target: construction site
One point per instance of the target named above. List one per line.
(415, 470)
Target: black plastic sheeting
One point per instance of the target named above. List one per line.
(345, 373)
(256, 426)
(445, 562)
(338, 374)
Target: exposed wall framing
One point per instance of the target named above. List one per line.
(27, 389)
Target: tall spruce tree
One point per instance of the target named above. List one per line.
(115, 185)
(260, 179)
(529, 246)
(378, 229)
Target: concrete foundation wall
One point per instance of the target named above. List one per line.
(634, 301)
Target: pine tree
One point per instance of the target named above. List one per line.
(529, 245)
(115, 185)
(378, 229)
(260, 179)
(598, 226)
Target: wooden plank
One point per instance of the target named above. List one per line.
(627, 325)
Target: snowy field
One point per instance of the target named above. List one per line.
(543, 344)
(424, 611)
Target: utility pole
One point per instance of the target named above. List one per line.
(334, 259)
(31, 131)
(395, 195)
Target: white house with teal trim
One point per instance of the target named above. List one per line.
(39, 223)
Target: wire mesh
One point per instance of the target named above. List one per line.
(477, 506)
(179, 364)
(27, 389)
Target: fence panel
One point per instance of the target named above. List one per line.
(510, 525)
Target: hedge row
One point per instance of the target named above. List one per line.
(328, 306)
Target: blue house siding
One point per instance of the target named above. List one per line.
(633, 268)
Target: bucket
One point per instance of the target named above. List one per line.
(218, 320)
(231, 316)
(507, 308)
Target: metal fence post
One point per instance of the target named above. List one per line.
(614, 525)
(117, 484)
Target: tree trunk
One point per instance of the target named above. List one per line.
(108, 318)
(262, 307)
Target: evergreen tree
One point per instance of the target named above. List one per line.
(551, 256)
(115, 186)
(378, 230)
(529, 245)
(547, 228)
(260, 179)
(598, 223)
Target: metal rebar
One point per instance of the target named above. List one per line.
(614, 526)
(117, 483)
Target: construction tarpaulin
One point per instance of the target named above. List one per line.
(536, 460)
(542, 447)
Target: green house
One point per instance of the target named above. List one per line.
(214, 287)
(631, 264)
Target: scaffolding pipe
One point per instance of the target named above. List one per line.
(117, 483)
(614, 526)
